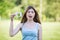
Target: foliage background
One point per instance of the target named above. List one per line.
(49, 11)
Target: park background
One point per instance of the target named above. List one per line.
(49, 12)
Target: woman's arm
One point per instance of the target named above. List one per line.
(40, 32)
(12, 31)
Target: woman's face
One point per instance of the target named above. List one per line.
(30, 14)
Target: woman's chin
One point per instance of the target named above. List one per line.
(30, 19)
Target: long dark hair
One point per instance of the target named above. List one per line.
(36, 18)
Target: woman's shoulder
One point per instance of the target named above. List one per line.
(39, 26)
(38, 23)
(20, 24)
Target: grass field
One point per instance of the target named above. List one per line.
(50, 31)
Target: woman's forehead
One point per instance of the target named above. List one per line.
(31, 9)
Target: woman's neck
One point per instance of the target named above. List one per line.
(30, 21)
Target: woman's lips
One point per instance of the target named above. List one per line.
(30, 16)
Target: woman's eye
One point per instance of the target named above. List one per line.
(28, 11)
(32, 12)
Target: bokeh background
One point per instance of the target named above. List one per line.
(49, 11)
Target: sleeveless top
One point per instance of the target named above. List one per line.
(30, 34)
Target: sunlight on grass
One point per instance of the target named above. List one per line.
(4, 31)
(50, 31)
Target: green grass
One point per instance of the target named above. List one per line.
(50, 31)
(4, 31)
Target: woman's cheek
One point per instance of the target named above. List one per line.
(33, 15)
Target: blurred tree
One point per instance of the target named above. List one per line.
(9, 6)
(51, 9)
(4, 6)
(18, 2)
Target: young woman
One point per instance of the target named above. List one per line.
(30, 25)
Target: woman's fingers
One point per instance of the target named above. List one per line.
(12, 16)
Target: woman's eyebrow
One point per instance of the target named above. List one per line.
(30, 10)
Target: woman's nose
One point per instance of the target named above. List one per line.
(30, 12)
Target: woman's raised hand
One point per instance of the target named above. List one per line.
(12, 16)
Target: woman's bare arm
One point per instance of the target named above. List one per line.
(12, 31)
(40, 32)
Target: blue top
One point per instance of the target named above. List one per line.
(30, 34)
